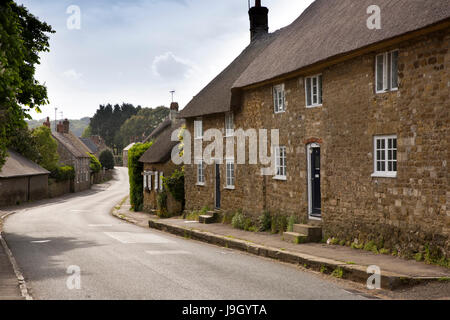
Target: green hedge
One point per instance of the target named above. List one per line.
(135, 169)
(175, 185)
(63, 173)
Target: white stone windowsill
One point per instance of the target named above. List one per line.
(280, 178)
(384, 175)
(230, 188)
(200, 184)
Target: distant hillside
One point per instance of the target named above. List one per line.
(76, 126)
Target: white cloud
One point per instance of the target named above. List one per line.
(72, 74)
(171, 67)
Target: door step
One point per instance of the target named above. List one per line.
(295, 237)
(304, 233)
(208, 218)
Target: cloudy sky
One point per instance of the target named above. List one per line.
(137, 51)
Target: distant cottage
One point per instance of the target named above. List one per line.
(363, 119)
(73, 152)
(22, 180)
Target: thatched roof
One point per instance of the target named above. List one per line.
(216, 96)
(330, 28)
(19, 166)
(77, 148)
(161, 150)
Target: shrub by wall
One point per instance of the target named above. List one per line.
(95, 165)
(175, 185)
(63, 173)
(107, 159)
(135, 169)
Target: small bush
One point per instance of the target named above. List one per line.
(95, 165)
(107, 159)
(162, 205)
(371, 246)
(292, 220)
(265, 221)
(227, 217)
(63, 173)
(338, 273)
(175, 185)
(192, 216)
(279, 224)
(242, 222)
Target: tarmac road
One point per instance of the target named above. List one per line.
(117, 260)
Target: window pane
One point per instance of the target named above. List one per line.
(314, 86)
(394, 70)
(379, 72)
(308, 92)
(320, 89)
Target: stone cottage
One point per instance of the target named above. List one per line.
(125, 154)
(73, 152)
(22, 180)
(95, 144)
(158, 163)
(363, 119)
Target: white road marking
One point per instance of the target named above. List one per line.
(99, 225)
(191, 222)
(167, 252)
(80, 210)
(129, 238)
(41, 241)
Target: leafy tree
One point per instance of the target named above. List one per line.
(141, 125)
(107, 159)
(22, 141)
(23, 37)
(108, 119)
(47, 146)
(135, 169)
(87, 132)
(95, 165)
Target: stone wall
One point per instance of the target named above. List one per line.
(19, 190)
(58, 189)
(81, 165)
(403, 213)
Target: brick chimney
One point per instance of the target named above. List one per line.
(173, 111)
(259, 20)
(47, 123)
(60, 127)
(66, 126)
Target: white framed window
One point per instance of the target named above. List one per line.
(230, 174)
(386, 71)
(161, 183)
(145, 181)
(313, 91)
(229, 124)
(281, 166)
(201, 172)
(156, 181)
(198, 129)
(385, 156)
(279, 98)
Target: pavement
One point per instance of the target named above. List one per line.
(9, 283)
(74, 249)
(396, 272)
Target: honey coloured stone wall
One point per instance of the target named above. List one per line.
(405, 213)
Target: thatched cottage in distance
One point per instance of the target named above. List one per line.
(73, 152)
(158, 163)
(363, 118)
(22, 180)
